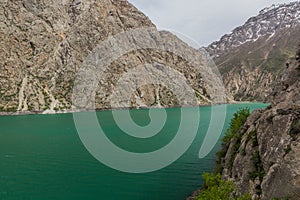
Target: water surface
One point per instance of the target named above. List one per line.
(42, 157)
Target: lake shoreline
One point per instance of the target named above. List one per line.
(48, 112)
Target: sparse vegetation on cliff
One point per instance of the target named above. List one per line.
(258, 154)
(214, 186)
(217, 188)
(259, 169)
(232, 134)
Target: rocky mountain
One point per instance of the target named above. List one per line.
(251, 58)
(43, 44)
(265, 161)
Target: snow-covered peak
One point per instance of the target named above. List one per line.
(266, 23)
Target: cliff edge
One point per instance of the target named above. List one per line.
(265, 160)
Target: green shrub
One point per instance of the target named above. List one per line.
(217, 188)
(252, 136)
(238, 120)
(214, 187)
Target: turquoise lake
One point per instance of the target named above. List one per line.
(42, 157)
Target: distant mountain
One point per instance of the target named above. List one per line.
(252, 56)
(268, 22)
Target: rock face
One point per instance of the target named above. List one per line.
(267, 163)
(43, 44)
(251, 58)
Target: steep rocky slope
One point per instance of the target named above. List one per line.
(43, 44)
(267, 162)
(251, 58)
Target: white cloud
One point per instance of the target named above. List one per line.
(203, 20)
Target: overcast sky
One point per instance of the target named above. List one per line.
(204, 21)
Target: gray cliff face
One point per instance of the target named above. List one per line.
(43, 44)
(252, 57)
(267, 163)
(257, 62)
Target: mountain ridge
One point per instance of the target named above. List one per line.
(267, 22)
(251, 63)
(44, 43)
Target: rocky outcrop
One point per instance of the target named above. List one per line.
(252, 57)
(43, 44)
(267, 163)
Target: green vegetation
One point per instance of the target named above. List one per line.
(258, 166)
(252, 136)
(218, 189)
(259, 170)
(214, 186)
(238, 120)
(233, 134)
